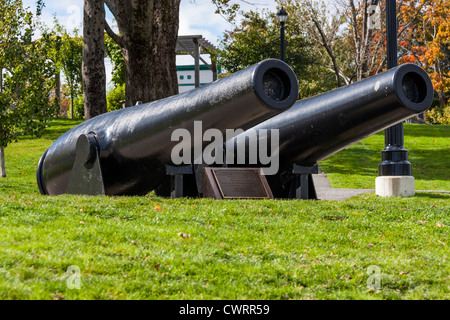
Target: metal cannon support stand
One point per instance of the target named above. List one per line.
(302, 186)
(176, 174)
(86, 176)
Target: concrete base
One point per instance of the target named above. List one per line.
(395, 186)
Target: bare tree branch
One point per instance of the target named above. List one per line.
(117, 38)
(111, 4)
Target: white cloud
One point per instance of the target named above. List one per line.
(198, 17)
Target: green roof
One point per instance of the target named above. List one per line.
(192, 68)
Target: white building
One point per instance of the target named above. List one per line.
(202, 71)
(186, 77)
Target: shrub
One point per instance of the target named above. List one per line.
(439, 115)
(115, 98)
(78, 107)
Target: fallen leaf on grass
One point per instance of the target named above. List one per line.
(369, 245)
(184, 235)
(439, 224)
(404, 272)
(422, 221)
(157, 207)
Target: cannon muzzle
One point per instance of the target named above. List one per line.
(127, 150)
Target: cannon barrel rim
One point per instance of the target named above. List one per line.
(413, 74)
(285, 74)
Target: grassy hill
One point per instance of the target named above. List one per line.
(154, 248)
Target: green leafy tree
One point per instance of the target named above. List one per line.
(66, 51)
(258, 38)
(71, 55)
(115, 98)
(27, 76)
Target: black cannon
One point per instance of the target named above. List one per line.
(125, 152)
(317, 127)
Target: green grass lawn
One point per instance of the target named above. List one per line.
(155, 248)
(428, 151)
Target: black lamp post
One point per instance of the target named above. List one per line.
(282, 17)
(394, 157)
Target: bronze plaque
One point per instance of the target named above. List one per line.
(235, 183)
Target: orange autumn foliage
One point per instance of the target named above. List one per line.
(424, 38)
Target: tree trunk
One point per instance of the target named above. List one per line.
(149, 52)
(94, 76)
(2, 163)
(139, 78)
(165, 34)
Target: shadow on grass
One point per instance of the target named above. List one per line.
(355, 160)
(433, 195)
(431, 164)
(426, 130)
(362, 160)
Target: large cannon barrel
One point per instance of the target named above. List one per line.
(317, 127)
(134, 144)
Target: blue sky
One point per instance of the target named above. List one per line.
(196, 17)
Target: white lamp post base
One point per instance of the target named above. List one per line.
(395, 186)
